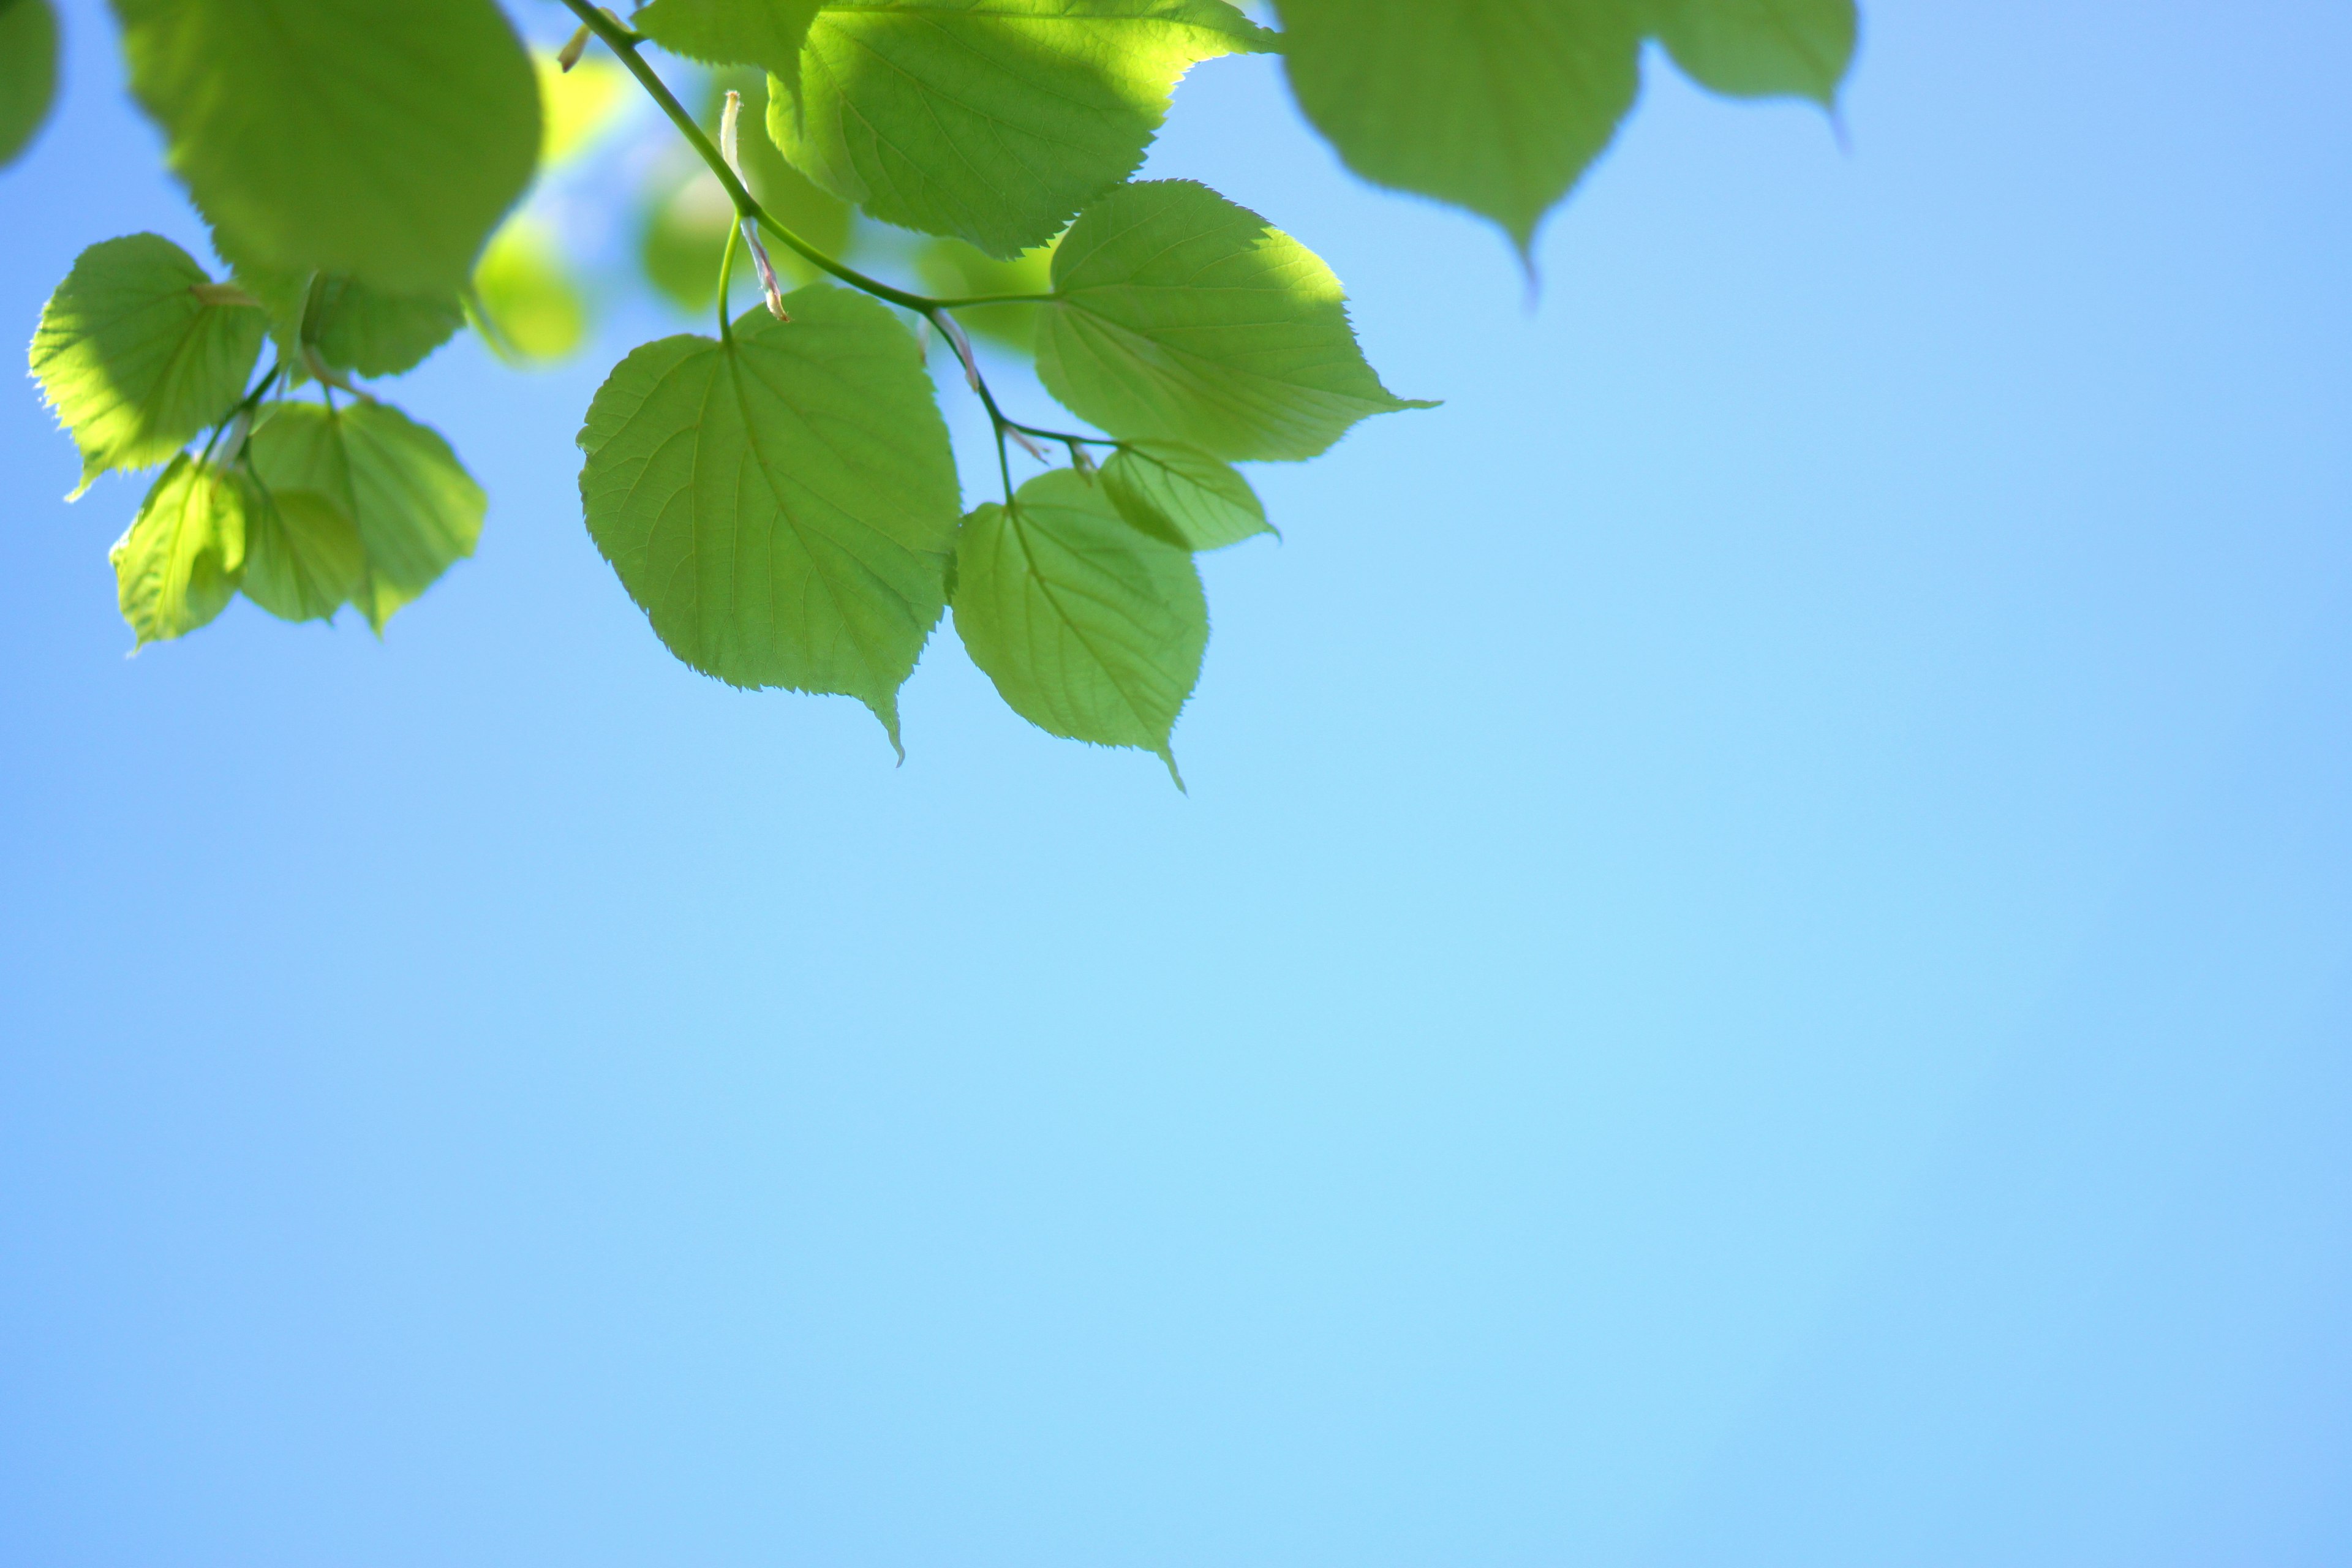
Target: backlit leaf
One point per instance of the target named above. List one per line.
(782, 508)
(578, 106)
(763, 33)
(992, 121)
(1089, 629)
(29, 72)
(1498, 106)
(1761, 48)
(352, 137)
(535, 308)
(1183, 496)
(1179, 316)
(304, 558)
(416, 509)
(351, 325)
(138, 349)
(177, 566)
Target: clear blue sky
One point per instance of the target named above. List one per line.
(1758, 968)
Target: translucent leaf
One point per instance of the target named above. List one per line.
(351, 325)
(577, 107)
(534, 307)
(417, 510)
(138, 349)
(1761, 48)
(304, 558)
(1179, 316)
(951, 269)
(992, 121)
(29, 72)
(1183, 496)
(378, 142)
(1089, 629)
(1499, 107)
(782, 508)
(763, 33)
(177, 566)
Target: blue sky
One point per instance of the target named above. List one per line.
(1755, 970)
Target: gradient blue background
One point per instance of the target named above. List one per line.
(1758, 968)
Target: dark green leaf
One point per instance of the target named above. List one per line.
(991, 120)
(782, 507)
(1179, 316)
(1089, 628)
(138, 349)
(29, 72)
(1183, 496)
(177, 567)
(1495, 105)
(416, 509)
(351, 137)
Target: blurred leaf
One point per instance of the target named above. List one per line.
(377, 141)
(534, 307)
(1761, 48)
(177, 566)
(138, 349)
(1499, 108)
(304, 558)
(1089, 629)
(1179, 316)
(353, 325)
(950, 268)
(29, 72)
(992, 121)
(1183, 496)
(578, 106)
(416, 509)
(781, 507)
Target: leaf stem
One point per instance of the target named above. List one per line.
(726, 278)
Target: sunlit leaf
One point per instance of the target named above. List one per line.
(535, 308)
(1089, 629)
(177, 566)
(781, 507)
(29, 72)
(304, 558)
(763, 33)
(1179, 316)
(1762, 48)
(1183, 496)
(992, 121)
(351, 137)
(579, 106)
(1498, 106)
(416, 509)
(138, 349)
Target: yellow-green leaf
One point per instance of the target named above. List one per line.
(535, 307)
(304, 558)
(138, 349)
(1181, 495)
(992, 121)
(1089, 629)
(177, 566)
(1179, 316)
(780, 506)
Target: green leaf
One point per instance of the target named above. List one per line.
(29, 72)
(577, 107)
(177, 566)
(379, 142)
(1499, 107)
(534, 306)
(417, 510)
(1089, 629)
(1761, 48)
(1183, 496)
(992, 121)
(763, 33)
(1179, 316)
(781, 507)
(351, 325)
(304, 558)
(139, 349)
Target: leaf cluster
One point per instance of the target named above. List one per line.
(779, 496)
